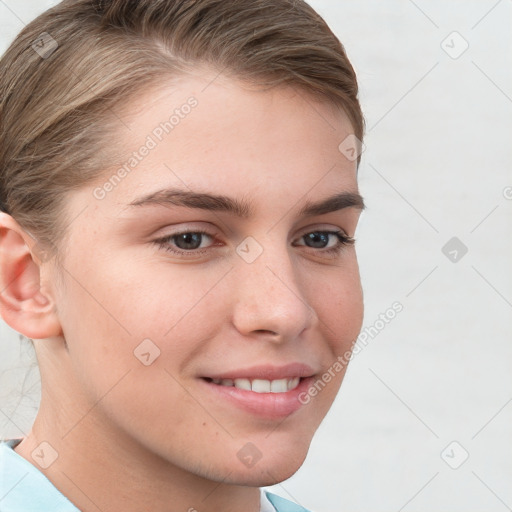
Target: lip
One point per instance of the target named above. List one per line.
(267, 372)
(264, 405)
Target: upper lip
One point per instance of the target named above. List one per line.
(266, 372)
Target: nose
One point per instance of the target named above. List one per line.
(270, 301)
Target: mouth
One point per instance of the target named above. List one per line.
(264, 391)
(259, 385)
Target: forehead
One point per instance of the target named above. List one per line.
(213, 133)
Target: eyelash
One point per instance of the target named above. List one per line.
(163, 243)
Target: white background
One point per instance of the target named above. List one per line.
(437, 165)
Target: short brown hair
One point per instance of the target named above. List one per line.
(57, 107)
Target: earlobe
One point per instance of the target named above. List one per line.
(23, 303)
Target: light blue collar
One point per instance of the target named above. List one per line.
(282, 504)
(23, 488)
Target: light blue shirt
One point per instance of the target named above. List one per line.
(23, 488)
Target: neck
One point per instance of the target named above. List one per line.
(109, 475)
(102, 468)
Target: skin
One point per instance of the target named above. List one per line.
(135, 428)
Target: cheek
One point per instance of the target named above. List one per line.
(350, 309)
(100, 341)
(338, 301)
(125, 303)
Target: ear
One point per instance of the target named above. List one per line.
(24, 305)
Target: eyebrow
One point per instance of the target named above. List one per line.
(242, 208)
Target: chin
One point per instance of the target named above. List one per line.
(263, 476)
(275, 474)
(277, 466)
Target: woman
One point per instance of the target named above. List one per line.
(179, 196)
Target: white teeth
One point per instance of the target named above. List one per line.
(243, 384)
(293, 383)
(261, 385)
(279, 386)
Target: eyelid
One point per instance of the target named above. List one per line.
(331, 228)
(165, 243)
(214, 233)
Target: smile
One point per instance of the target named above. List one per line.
(260, 385)
(266, 391)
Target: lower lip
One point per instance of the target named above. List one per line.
(268, 405)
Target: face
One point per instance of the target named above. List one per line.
(205, 289)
